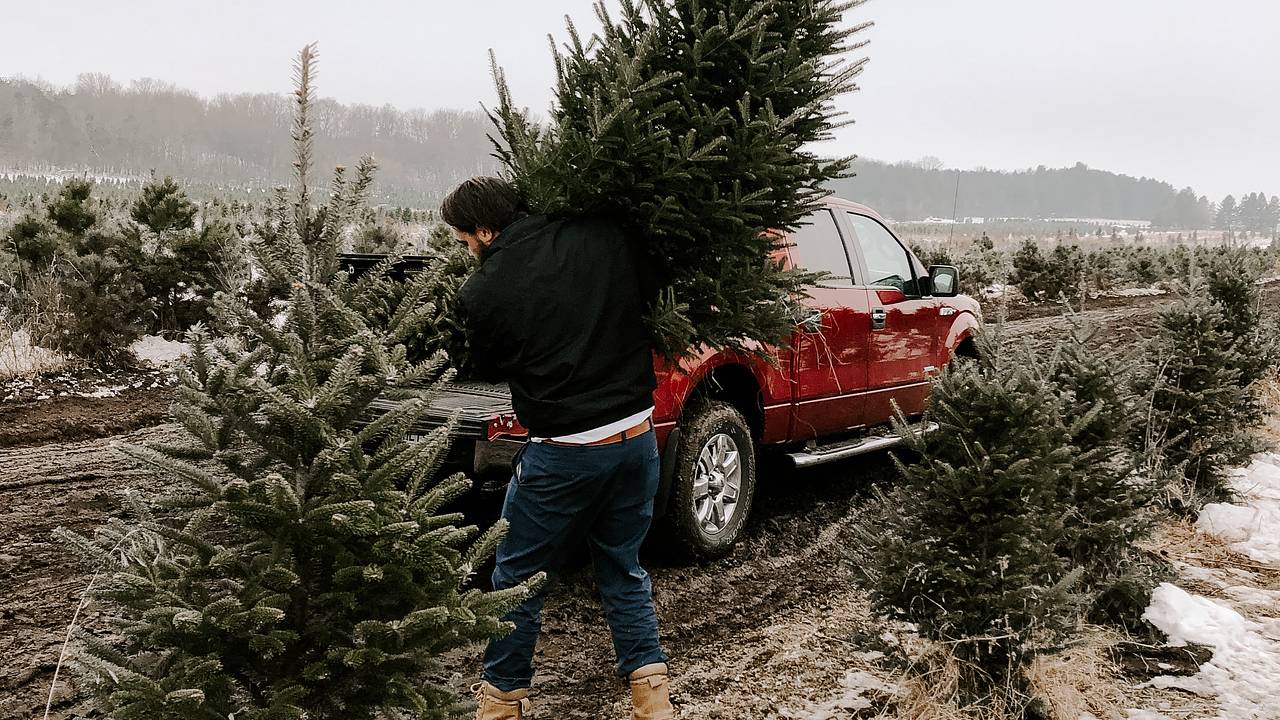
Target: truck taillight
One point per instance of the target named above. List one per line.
(505, 426)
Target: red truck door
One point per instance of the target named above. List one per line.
(830, 343)
(904, 321)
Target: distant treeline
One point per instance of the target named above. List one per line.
(105, 128)
(918, 190)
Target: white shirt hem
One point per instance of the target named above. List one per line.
(599, 433)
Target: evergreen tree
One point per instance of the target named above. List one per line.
(72, 210)
(1226, 218)
(163, 207)
(1106, 503)
(1197, 408)
(379, 238)
(691, 121)
(32, 242)
(101, 311)
(1058, 275)
(309, 569)
(177, 263)
(966, 545)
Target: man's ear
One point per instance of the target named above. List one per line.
(485, 235)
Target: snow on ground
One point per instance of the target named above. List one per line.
(993, 292)
(1242, 627)
(1132, 292)
(1254, 528)
(1245, 670)
(19, 356)
(850, 697)
(158, 351)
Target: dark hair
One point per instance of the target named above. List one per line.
(482, 202)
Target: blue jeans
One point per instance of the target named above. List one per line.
(559, 496)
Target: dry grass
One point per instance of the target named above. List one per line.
(1267, 391)
(21, 351)
(20, 357)
(1083, 679)
(930, 691)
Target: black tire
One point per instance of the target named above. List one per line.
(691, 535)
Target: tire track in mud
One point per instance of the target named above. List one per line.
(76, 485)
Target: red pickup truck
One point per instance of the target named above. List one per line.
(869, 336)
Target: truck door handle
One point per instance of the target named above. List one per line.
(877, 319)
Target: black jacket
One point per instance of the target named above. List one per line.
(556, 309)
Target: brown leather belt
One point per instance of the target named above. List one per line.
(632, 432)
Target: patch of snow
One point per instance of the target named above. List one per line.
(1133, 292)
(19, 356)
(850, 699)
(158, 351)
(999, 290)
(1253, 528)
(1244, 673)
(105, 392)
(1135, 714)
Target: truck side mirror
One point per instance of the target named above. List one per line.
(944, 280)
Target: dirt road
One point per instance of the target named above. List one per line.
(774, 630)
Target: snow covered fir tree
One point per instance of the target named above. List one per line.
(692, 122)
(306, 565)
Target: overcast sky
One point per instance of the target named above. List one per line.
(1187, 91)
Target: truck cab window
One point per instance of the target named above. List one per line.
(818, 248)
(888, 263)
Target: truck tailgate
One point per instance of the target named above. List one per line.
(475, 403)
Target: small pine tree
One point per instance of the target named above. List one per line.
(102, 309)
(378, 238)
(966, 544)
(32, 243)
(1198, 409)
(309, 569)
(1029, 269)
(1107, 503)
(692, 123)
(72, 210)
(1230, 279)
(163, 207)
(176, 262)
(448, 270)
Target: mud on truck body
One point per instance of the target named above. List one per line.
(869, 336)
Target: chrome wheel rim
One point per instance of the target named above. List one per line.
(717, 482)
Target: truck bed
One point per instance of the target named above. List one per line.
(473, 402)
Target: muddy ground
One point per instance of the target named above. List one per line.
(776, 630)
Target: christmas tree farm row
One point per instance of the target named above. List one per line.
(1024, 515)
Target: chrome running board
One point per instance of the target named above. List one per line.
(852, 447)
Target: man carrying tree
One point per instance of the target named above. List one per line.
(556, 308)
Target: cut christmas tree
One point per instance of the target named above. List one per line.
(308, 566)
(692, 123)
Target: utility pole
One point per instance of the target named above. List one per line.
(955, 204)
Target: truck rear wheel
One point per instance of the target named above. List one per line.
(714, 480)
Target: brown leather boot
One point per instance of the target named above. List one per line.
(650, 696)
(495, 704)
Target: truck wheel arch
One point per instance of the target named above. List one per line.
(731, 382)
(737, 385)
